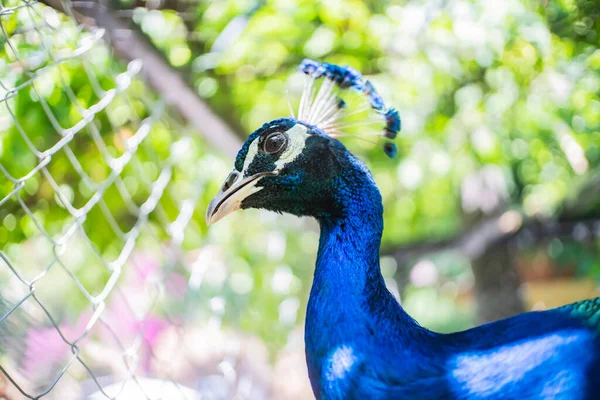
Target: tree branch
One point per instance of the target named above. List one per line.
(489, 233)
(129, 46)
(178, 6)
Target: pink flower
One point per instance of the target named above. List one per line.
(46, 352)
(176, 285)
(146, 265)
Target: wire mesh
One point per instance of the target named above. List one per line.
(98, 211)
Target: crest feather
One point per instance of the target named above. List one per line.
(327, 110)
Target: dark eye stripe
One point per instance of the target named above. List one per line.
(261, 163)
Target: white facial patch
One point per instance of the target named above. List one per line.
(252, 151)
(297, 135)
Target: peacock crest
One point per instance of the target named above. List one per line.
(325, 104)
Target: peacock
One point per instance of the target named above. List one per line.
(359, 341)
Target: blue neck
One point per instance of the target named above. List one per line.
(349, 303)
(347, 274)
(348, 256)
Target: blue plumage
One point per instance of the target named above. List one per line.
(375, 98)
(392, 123)
(360, 343)
(539, 355)
(390, 150)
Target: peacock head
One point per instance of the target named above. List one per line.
(297, 165)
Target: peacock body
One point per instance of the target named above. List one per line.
(360, 343)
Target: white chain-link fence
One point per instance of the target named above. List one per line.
(98, 212)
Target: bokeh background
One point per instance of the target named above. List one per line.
(119, 120)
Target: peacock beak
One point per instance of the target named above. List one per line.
(232, 193)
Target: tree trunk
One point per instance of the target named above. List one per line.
(497, 284)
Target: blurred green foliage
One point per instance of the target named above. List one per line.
(511, 84)
(500, 108)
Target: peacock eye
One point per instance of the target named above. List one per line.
(275, 142)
